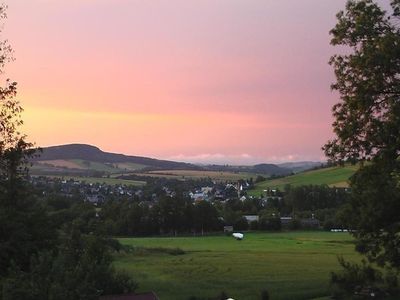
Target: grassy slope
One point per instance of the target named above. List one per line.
(293, 265)
(334, 176)
(118, 168)
(130, 166)
(95, 166)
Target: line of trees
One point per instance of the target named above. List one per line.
(170, 215)
(179, 214)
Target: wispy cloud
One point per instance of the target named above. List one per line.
(235, 159)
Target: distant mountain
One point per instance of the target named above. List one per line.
(301, 166)
(271, 169)
(82, 158)
(263, 169)
(94, 154)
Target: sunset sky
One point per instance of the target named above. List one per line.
(221, 81)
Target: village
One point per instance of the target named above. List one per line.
(231, 196)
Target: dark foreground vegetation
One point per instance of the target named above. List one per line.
(367, 128)
(43, 256)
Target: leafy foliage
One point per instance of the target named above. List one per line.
(79, 269)
(367, 126)
(41, 258)
(367, 120)
(353, 277)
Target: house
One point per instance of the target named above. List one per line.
(228, 229)
(310, 223)
(206, 190)
(132, 296)
(95, 199)
(286, 221)
(198, 196)
(251, 218)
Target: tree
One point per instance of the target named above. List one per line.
(367, 125)
(367, 119)
(79, 270)
(205, 217)
(24, 226)
(264, 295)
(37, 261)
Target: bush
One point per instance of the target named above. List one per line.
(260, 178)
(253, 225)
(241, 225)
(176, 251)
(270, 224)
(354, 278)
(264, 295)
(294, 224)
(144, 250)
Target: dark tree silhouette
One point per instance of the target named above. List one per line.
(367, 126)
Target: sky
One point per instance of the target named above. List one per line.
(209, 81)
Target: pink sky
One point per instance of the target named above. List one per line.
(226, 81)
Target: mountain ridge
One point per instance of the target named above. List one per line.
(92, 153)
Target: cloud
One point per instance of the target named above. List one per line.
(235, 159)
(216, 158)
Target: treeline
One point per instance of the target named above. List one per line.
(165, 208)
(169, 215)
(179, 214)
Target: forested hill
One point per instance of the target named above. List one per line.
(94, 154)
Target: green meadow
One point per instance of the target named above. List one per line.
(334, 176)
(290, 265)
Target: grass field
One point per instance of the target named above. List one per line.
(96, 166)
(334, 176)
(79, 164)
(293, 265)
(63, 164)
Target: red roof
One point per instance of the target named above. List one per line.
(144, 296)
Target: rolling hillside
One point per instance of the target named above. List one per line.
(333, 176)
(87, 160)
(88, 153)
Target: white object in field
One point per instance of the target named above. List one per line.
(237, 235)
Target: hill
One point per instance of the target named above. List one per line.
(87, 160)
(300, 166)
(263, 169)
(94, 154)
(333, 176)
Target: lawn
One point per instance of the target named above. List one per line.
(334, 176)
(294, 265)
